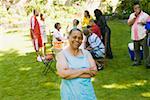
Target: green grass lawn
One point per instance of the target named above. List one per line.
(21, 76)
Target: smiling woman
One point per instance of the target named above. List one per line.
(76, 67)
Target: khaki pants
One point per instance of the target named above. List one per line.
(137, 45)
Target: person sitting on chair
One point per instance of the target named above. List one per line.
(95, 46)
(58, 37)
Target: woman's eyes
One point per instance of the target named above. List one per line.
(80, 38)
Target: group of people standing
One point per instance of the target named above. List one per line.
(96, 34)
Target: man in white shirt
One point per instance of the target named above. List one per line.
(137, 22)
(58, 38)
(57, 35)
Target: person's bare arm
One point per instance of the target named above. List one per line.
(89, 48)
(131, 21)
(67, 73)
(142, 22)
(58, 39)
(93, 68)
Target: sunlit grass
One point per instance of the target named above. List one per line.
(25, 69)
(146, 94)
(125, 86)
(21, 76)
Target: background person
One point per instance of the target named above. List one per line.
(36, 34)
(147, 27)
(94, 28)
(137, 21)
(43, 32)
(86, 19)
(106, 32)
(94, 45)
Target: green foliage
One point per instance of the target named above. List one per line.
(126, 7)
(145, 5)
(35, 4)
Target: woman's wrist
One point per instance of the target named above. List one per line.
(85, 70)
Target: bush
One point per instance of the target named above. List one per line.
(126, 7)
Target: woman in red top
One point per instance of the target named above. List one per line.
(95, 29)
(36, 34)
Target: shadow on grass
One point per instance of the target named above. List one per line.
(21, 77)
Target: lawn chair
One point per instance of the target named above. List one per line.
(49, 62)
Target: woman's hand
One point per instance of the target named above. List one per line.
(88, 48)
(91, 71)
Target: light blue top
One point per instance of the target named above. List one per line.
(77, 88)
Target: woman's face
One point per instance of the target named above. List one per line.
(59, 26)
(74, 22)
(85, 14)
(36, 13)
(75, 39)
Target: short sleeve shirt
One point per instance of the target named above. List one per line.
(138, 31)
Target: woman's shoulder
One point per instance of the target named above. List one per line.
(63, 51)
(91, 17)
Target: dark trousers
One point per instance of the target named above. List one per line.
(137, 45)
(148, 58)
(107, 40)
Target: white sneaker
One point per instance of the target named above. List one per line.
(39, 59)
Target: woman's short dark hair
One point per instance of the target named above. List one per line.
(97, 13)
(34, 10)
(41, 15)
(88, 14)
(136, 3)
(74, 29)
(56, 25)
(77, 22)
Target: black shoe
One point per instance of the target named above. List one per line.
(100, 67)
(109, 57)
(136, 64)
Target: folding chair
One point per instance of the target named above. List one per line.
(48, 61)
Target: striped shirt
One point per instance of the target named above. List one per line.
(97, 45)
